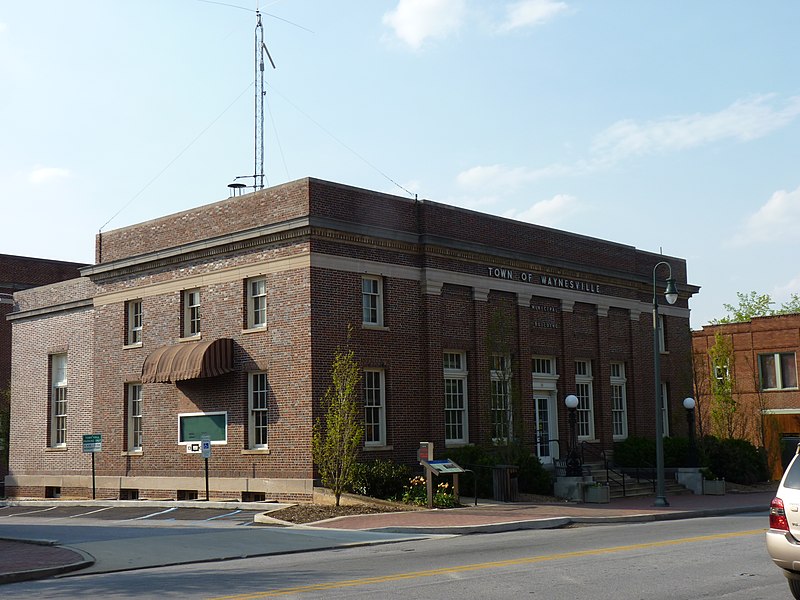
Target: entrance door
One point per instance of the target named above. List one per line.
(545, 415)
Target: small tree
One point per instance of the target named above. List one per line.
(723, 402)
(339, 432)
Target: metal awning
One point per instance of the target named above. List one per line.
(188, 360)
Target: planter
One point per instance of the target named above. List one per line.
(714, 487)
(597, 494)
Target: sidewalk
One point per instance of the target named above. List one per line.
(25, 559)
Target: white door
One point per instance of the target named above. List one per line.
(546, 428)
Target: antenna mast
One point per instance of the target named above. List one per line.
(258, 141)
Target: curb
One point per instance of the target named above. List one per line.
(86, 560)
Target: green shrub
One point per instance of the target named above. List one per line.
(380, 478)
(735, 460)
(635, 452)
(532, 477)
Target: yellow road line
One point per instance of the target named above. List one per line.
(316, 587)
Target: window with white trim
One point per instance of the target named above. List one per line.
(662, 339)
(372, 300)
(455, 397)
(374, 408)
(585, 394)
(619, 401)
(134, 316)
(665, 409)
(191, 313)
(256, 303)
(58, 400)
(258, 410)
(778, 371)
(544, 365)
(134, 417)
(501, 409)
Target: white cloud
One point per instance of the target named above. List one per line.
(46, 174)
(529, 13)
(776, 221)
(416, 21)
(501, 177)
(547, 212)
(782, 293)
(743, 120)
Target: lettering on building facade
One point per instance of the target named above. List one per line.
(548, 280)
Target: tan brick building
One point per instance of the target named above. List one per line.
(762, 375)
(222, 321)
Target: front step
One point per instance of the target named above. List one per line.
(634, 487)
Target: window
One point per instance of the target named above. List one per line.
(501, 409)
(662, 343)
(134, 417)
(778, 371)
(455, 397)
(619, 401)
(258, 408)
(58, 400)
(191, 313)
(372, 300)
(256, 303)
(583, 390)
(374, 408)
(544, 365)
(134, 317)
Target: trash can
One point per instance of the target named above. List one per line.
(505, 483)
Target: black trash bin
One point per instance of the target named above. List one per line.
(505, 483)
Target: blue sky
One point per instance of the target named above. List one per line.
(665, 125)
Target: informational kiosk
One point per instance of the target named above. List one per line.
(433, 467)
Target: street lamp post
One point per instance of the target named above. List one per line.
(573, 458)
(689, 405)
(671, 295)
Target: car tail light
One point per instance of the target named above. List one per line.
(777, 515)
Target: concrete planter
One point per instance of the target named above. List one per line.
(597, 494)
(714, 487)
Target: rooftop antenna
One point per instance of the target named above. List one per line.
(258, 135)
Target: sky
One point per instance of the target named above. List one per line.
(668, 125)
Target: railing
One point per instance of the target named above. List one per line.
(612, 474)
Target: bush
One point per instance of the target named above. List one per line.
(383, 479)
(635, 452)
(532, 477)
(735, 460)
(416, 493)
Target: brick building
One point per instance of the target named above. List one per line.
(21, 273)
(222, 321)
(759, 367)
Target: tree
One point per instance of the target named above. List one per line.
(723, 403)
(756, 305)
(339, 432)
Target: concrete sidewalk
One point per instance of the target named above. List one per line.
(26, 559)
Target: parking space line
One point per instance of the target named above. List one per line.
(155, 514)
(230, 514)
(91, 512)
(30, 512)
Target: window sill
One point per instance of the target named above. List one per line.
(56, 449)
(377, 448)
(191, 338)
(132, 453)
(455, 444)
(128, 346)
(372, 327)
(253, 330)
(256, 451)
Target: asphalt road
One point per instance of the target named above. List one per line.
(719, 557)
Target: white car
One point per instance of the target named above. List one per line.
(783, 535)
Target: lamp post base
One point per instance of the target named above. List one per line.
(660, 501)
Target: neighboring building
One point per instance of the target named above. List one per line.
(760, 369)
(20, 273)
(222, 321)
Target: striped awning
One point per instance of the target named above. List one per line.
(188, 360)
